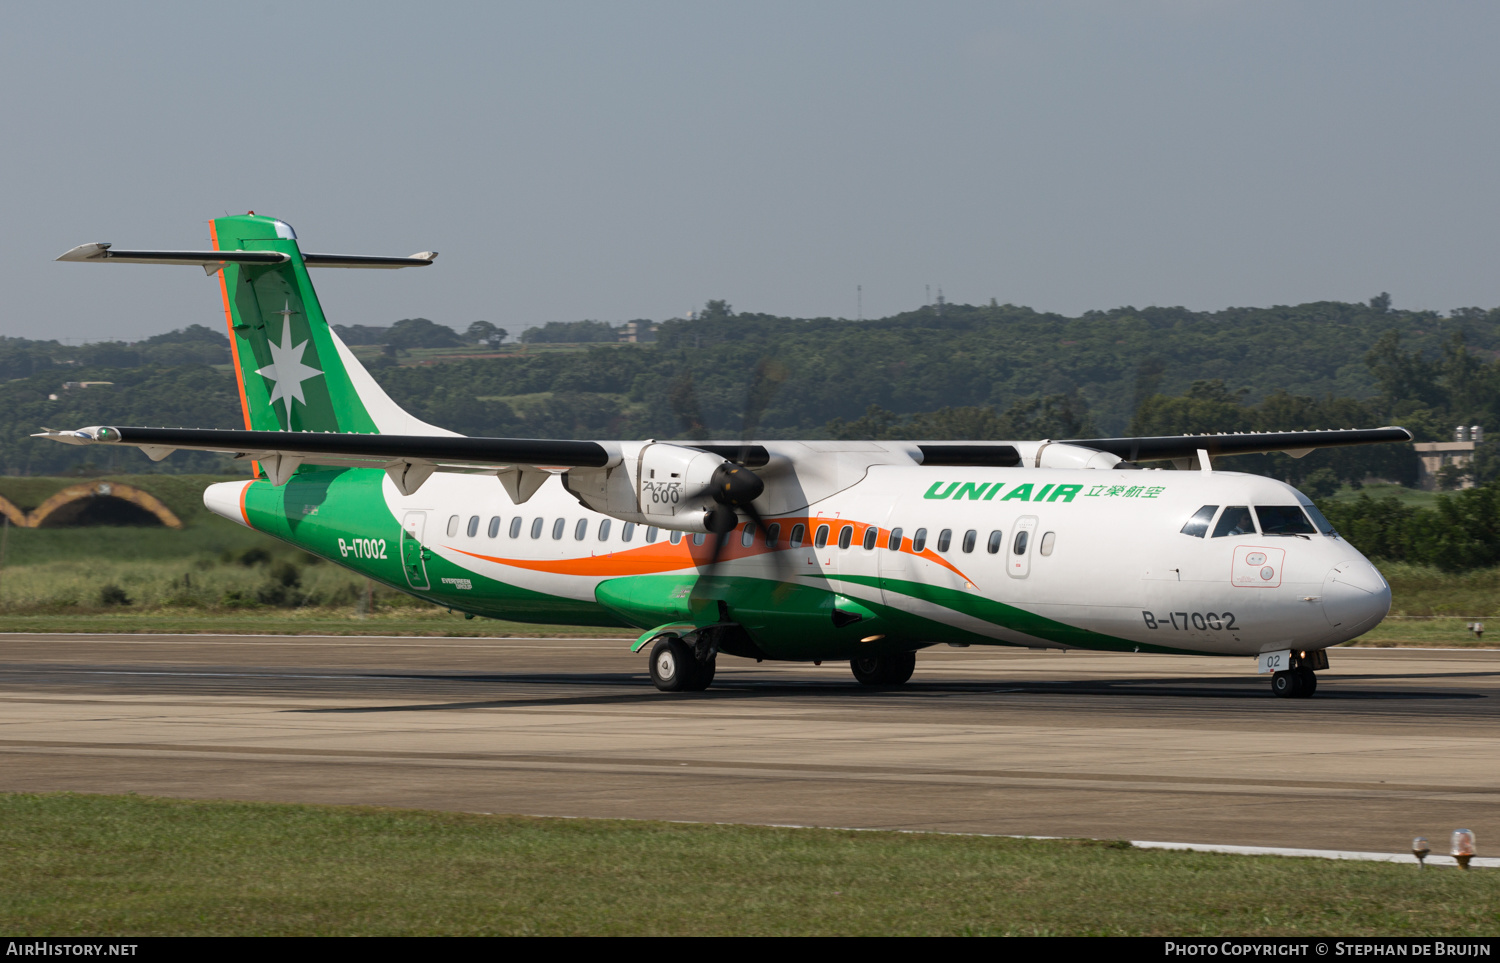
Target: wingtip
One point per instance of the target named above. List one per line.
(93, 251)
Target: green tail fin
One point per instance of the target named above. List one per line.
(294, 373)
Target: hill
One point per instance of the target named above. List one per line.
(994, 370)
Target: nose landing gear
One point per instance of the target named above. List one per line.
(884, 670)
(1293, 671)
(1298, 683)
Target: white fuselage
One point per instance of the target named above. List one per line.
(1104, 552)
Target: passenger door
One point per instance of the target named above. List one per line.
(413, 553)
(1022, 544)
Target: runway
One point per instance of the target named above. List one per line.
(1396, 743)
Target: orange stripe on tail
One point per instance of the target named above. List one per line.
(234, 350)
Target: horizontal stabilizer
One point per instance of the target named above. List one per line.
(213, 260)
(420, 259)
(105, 252)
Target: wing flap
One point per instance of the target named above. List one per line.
(1295, 443)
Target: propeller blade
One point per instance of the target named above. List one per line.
(779, 560)
(764, 383)
(684, 401)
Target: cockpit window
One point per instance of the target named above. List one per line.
(1197, 526)
(1236, 520)
(1323, 524)
(1283, 520)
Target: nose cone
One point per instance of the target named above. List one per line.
(228, 499)
(1355, 597)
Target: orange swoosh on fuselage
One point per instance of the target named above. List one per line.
(666, 557)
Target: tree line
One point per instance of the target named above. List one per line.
(949, 371)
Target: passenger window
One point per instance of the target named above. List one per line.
(1197, 526)
(997, 539)
(495, 527)
(919, 540)
(1236, 520)
(515, 527)
(872, 535)
(453, 526)
(675, 538)
(1048, 540)
(970, 537)
(698, 538)
(628, 532)
(797, 532)
(1022, 537)
(473, 525)
(557, 528)
(894, 542)
(581, 529)
(1283, 520)
(846, 536)
(1323, 524)
(773, 533)
(604, 530)
(536, 527)
(821, 538)
(747, 537)
(651, 533)
(945, 539)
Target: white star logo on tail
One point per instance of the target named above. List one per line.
(286, 368)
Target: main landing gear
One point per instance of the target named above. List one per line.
(677, 666)
(892, 669)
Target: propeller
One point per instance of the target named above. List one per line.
(734, 488)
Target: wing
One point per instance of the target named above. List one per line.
(459, 453)
(1294, 443)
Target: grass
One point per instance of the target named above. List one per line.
(212, 576)
(430, 621)
(126, 865)
(1413, 497)
(1422, 590)
(1430, 607)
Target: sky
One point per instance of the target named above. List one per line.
(625, 159)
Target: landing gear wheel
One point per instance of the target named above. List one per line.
(1293, 683)
(672, 665)
(891, 669)
(703, 674)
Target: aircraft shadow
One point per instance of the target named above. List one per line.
(735, 690)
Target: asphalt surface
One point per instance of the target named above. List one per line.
(1396, 743)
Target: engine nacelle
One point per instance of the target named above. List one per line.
(656, 483)
(1049, 454)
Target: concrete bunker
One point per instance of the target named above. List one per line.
(100, 503)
